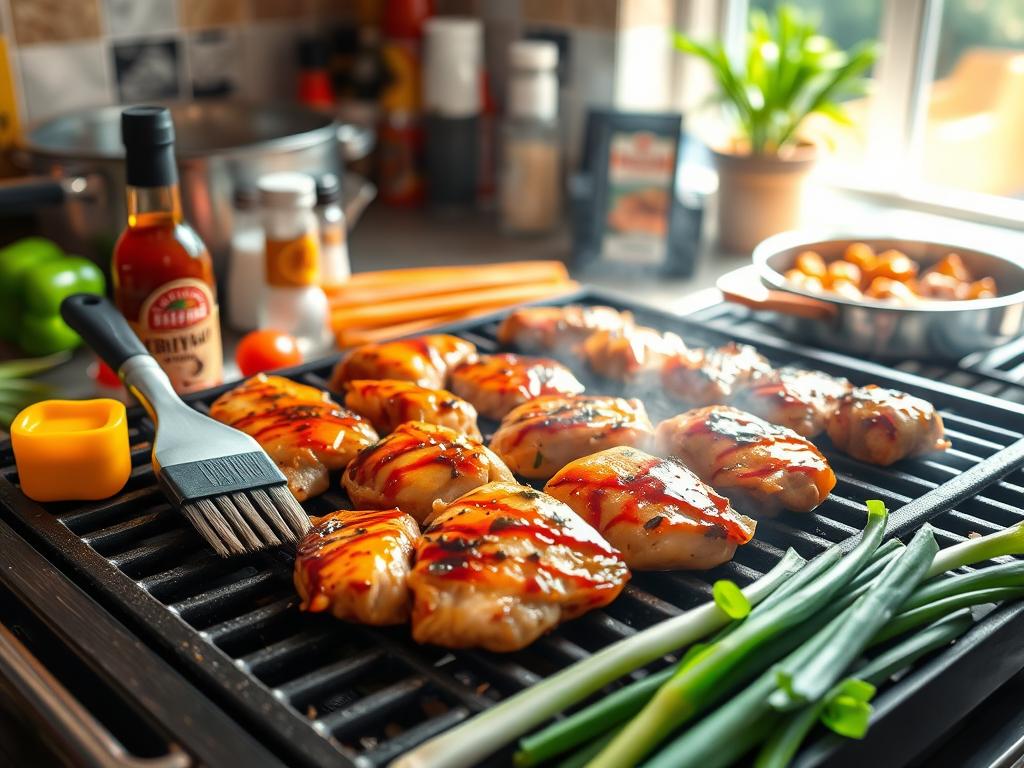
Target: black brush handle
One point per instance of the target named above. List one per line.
(104, 328)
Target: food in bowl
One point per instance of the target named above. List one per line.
(890, 276)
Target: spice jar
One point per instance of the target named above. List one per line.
(334, 263)
(294, 302)
(531, 181)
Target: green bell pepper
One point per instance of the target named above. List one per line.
(16, 260)
(35, 276)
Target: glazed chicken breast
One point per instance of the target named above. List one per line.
(539, 437)
(423, 360)
(882, 426)
(389, 402)
(356, 565)
(495, 384)
(800, 400)
(655, 511)
(761, 467)
(305, 438)
(709, 376)
(630, 353)
(550, 329)
(504, 564)
(417, 464)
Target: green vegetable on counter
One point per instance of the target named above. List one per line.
(17, 391)
(35, 276)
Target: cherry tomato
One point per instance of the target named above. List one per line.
(266, 350)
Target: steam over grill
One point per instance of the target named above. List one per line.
(320, 692)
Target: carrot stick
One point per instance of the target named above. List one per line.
(402, 310)
(391, 285)
(349, 337)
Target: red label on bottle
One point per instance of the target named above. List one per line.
(178, 307)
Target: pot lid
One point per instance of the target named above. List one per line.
(202, 129)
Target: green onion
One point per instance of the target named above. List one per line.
(847, 708)
(928, 613)
(1009, 541)
(1001, 575)
(583, 756)
(695, 685)
(812, 673)
(469, 743)
(786, 738)
(730, 599)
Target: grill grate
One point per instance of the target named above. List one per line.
(321, 692)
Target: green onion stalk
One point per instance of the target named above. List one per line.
(787, 737)
(1009, 541)
(809, 674)
(469, 743)
(711, 674)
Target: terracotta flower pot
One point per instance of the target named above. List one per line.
(759, 195)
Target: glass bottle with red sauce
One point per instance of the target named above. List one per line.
(162, 272)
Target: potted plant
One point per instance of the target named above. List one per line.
(788, 72)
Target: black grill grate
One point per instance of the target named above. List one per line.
(321, 692)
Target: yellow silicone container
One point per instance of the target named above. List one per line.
(72, 450)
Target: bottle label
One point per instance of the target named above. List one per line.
(293, 263)
(179, 324)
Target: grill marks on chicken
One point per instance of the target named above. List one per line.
(655, 511)
(700, 377)
(302, 430)
(539, 437)
(417, 464)
(882, 426)
(389, 402)
(558, 329)
(504, 564)
(423, 360)
(748, 459)
(495, 384)
(794, 398)
(356, 565)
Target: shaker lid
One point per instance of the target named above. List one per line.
(328, 189)
(533, 54)
(452, 66)
(287, 189)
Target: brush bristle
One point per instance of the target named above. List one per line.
(247, 521)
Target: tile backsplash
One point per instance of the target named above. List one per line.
(67, 54)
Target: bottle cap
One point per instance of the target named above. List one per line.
(533, 54)
(328, 189)
(452, 66)
(312, 53)
(148, 137)
(287, 189)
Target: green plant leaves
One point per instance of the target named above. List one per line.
(788, 72)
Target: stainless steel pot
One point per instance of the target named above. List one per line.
(77, 191)
(934, 329)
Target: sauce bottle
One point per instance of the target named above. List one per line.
(162, 273)
(294, 301)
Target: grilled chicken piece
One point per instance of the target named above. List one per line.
(390, 402)
(495, 384)
(630, 353)
(882, 426)
(547, 329)
(747, 459)
(423, 360)
(418, 463)
(355, 564)
(655, 511)
(709, 376)
(306, 438)
(262, 393)
(502, 565)
(539, 437)
(800, 400)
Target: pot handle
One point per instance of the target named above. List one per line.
(23, 195)
(744, 286)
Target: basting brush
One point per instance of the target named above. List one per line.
(221, 480)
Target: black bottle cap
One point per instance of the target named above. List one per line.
(148, 137)
(312, 53)
(328, 189)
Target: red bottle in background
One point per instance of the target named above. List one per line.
(401, 132)
(314, 89)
